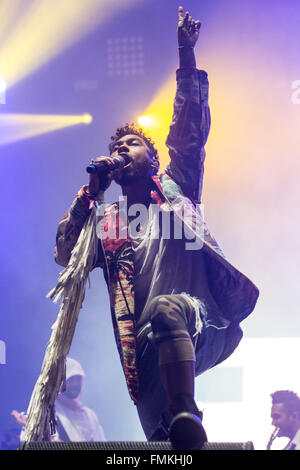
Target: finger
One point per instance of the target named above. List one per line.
(180, 17)
(108, 160)
(96, 159)
(180, 13)
(186, 19)
(189, 23)
(198, 25)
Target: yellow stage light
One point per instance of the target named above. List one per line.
(15, 127)
(87, 118)
(41, 29)
(149, 121)
(10, 12)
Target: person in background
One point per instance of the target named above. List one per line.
(75, 421)
(285, 414)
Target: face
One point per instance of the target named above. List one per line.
(281, 420)
(73, 386)
(136, 151)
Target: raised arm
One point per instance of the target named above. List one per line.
(191, 117)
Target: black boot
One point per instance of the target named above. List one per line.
(162, 431)
(186, 430)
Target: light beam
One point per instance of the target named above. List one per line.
(46, 28)
(16, 127)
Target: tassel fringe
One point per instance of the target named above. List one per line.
(71, 289)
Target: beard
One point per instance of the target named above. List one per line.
(125, 179)
(131, 175)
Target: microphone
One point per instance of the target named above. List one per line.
(99, 167)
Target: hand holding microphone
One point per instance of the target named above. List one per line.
(100, 170)
(100, 180)
(103, 164)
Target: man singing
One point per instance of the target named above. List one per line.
(176, 304)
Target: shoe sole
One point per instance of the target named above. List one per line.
(187, 432)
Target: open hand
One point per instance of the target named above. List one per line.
(188, 29)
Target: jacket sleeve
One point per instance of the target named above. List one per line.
(189, 131)
(69, 229)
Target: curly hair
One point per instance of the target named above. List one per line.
(135, 130)
(289, 399)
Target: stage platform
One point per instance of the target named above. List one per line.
(124, 446)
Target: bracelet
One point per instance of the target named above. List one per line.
(185, 47)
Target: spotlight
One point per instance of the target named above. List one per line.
(147, 121)
(31, 43)
(24, 126)
(87, 118)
